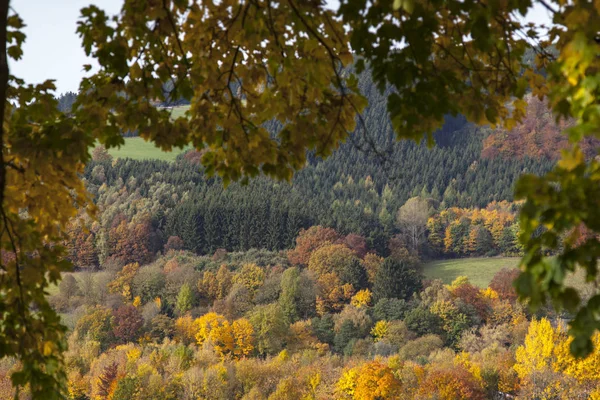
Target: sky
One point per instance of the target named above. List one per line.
(53, 50)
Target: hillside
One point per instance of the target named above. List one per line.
(359, 189)
(537, 136)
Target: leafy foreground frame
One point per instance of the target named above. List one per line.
(242, 63)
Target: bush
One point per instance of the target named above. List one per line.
(423, 322)
(421, 347)
(390, 309)
(149, 283)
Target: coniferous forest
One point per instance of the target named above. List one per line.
(359, 190)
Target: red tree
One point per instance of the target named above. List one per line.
(357, 244)
(127, 323)
(174, 243)
(502, 283)
(470, 294)
(133, 242)
(309, 240)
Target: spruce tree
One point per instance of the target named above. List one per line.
(396, 280)
(185, 299)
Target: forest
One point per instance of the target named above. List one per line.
(327, 319)
(312, 289)
(325, 158)
(462, 197)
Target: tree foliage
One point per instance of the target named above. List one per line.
(396, 280)
(245, 65)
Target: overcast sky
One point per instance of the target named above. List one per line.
(53, 49)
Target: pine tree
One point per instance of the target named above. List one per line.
(354, 273)
(289, 293)
(185, 299)
(396, 279)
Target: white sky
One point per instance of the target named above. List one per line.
(53, 50)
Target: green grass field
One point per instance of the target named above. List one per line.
(138, 149)
(178, 111)
(480, 271)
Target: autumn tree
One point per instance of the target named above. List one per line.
(536, 355)
(503, 283)
(371, 381)
(174, 243)
(371, 264)
(284, 59)
(452, 384)
(412, 221)
(251, 276)
(340, 260)
(96, 324)
(233, 339)
(216, 286)
(123, 281)
(309, 240)
(357, 244)
(127, 323)
(134, 242)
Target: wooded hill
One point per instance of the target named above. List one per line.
(359, 189)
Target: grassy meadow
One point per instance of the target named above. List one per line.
(138, 149)
(479, 270)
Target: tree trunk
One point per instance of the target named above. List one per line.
(4, 6)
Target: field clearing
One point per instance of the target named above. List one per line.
(480, 271)
(179, 111)
(138, 149)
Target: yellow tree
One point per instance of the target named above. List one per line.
(380, 330)
(185, 330)
(370, 381)
(205, 324)
(536, 355)
(243, 334)
(362, 298)
(221, 337)
(251, 275)
(122, 282)
(585, 370)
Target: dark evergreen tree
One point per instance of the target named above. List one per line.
(396, 280)
(354, 273)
